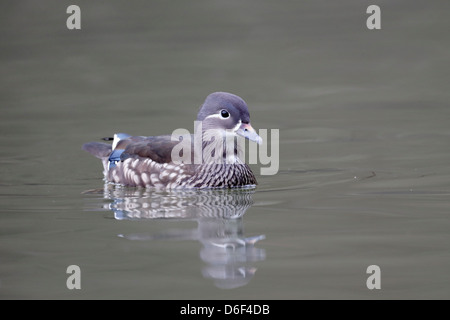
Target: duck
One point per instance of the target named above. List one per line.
(212, 157)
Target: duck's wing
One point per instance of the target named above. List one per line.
(158, 148)
(124, 146)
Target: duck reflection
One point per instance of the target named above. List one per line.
(228, 254)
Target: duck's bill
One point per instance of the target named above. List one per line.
(247, 131)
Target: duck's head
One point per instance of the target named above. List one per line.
(227, 113)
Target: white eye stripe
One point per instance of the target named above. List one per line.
(214, 116)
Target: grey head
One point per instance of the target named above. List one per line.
(228, 112)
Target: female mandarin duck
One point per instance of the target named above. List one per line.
(175, 162)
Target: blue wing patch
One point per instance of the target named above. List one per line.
(114, 157)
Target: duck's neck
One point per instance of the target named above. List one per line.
(220, 147)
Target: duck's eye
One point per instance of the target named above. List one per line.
(224, 114)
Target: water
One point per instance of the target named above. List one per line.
(364, 129)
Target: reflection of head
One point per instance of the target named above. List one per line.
(226, 277)
(228, 254)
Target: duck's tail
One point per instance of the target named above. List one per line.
(104, 151)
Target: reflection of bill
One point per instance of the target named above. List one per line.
(228, 254)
